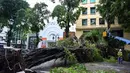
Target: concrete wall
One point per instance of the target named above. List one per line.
(127, 36)
(79, 33)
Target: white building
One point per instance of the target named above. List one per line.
(2, 38)
(52, 32)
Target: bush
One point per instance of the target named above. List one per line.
(104, 71)
(70, 56)
(93, 40)
(68, 42)
(93, 36)
(111, 60)
(94, 55)
(77, 68)
(125, 55)
(117, 43)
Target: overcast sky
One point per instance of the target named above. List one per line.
(50, 4)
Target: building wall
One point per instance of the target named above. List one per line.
(3, 38)
(127, 36)
(79, 33)
(115, 27)
(80, 28)
(71, 34)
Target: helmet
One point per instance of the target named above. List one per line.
(120, 50)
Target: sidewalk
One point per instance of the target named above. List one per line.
(119, 68)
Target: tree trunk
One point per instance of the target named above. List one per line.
(12, 62)
(9, 36)
(67, 31)
(108, 25)
(68, 26)
(37, 39)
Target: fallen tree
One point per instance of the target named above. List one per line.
(12, 61)
(39, 56)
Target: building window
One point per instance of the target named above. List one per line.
(93, 21)
(84, 22)
(101, 21)
(92, 1)
(84, 1)
(85, 31)
(93, 10)
(84, 11)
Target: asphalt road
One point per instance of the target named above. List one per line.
(119, 68)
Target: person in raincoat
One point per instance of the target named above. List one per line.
(120, 56)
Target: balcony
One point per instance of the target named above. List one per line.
(89, 27)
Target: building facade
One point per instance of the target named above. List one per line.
(90, 19)
(2, 38)
(51, 33)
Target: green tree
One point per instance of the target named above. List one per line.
(67, 13)
(8, 10)
(22, 26)
(37, 16)
(109, 9)
(104, 8)
(121, 10)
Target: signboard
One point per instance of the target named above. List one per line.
(104, 34)
(43, 45)
(18, 41)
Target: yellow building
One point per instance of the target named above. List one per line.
(90, 19)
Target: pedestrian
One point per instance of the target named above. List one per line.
(40, 44)
(120, 56)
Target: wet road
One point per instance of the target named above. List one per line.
(119, 68)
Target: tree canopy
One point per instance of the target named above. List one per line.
(8, 10)
(109, 9)
(10, 7)
(121, 9)
(17, 16)
(104, 8)
(39, 14)
(37, 17)
(67, 13)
